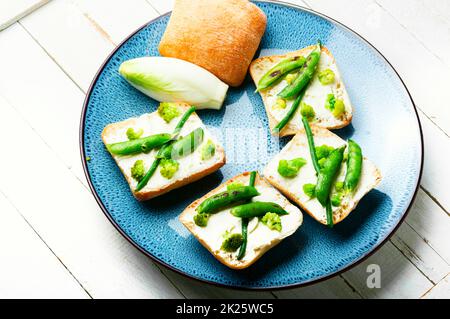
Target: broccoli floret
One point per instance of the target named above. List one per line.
(330, 101)
(326, 76)
(168, 111)
(307, 111)
(339, 109)
(134, 135)
(234, 185)
(272, 220)
(138, 170)
(290, 168)
(339, 186)
(280, 104)
(168, 167)
(309, 190)
(232, 243)
(201, 220)
(323, 151)
(336, 199)
(208, 150)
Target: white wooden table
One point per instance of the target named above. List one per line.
(55, 241)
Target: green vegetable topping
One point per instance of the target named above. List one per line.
(291, 77)
(272, 220)
(336, 199)
(323, 151)
(208, 150)
(280, 104)
(232, 243)
(336, 106)
(234, 186)
(290, 168)
(134, 135)
(168, 167)
(326, 77)
(330, 101)
(309, 190)
(307, 111)
(339, 109)
(339, 186)
(138, 170)
(322, 162)
(201, 220)
(88, 158)
(168, 111)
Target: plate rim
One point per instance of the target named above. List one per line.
(245, 287)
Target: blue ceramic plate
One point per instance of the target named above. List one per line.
(385, 123)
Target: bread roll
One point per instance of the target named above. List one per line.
(221, 36)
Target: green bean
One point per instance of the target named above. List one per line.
(289, 114)
(182, 121)
(140, 145)
(329, 211)
(184, 146)
(280, 69)
(312, 148)
(256, 209)
(327, 175)
(354, 166)
(304, 76)
(245, 221)
(226, 198)
(162, 150)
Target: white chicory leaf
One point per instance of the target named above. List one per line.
(175, 80)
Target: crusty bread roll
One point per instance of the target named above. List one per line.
(221, 36)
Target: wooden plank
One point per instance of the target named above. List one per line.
(436, 171)
(29, 269)
(68, 219)
(117, 18)
(440, 291)
(406, 53)
(45, 97)
(334, 288)
(432, 224)
(76, 43)
(399, 277)
(433, 266)
(428, 21)
(11, 11)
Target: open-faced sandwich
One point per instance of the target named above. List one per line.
(241, 219)
(322, 173)
(163, 150)
(304, 82)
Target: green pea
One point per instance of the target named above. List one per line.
(140, 145)
(304, 76)
(257, 209)
(327, 175)
(219, 201)
(280, 69)
(354, 166)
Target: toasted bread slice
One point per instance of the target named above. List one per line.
(260, 237)
(293, 187)
(315, 95)
(191, 167)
